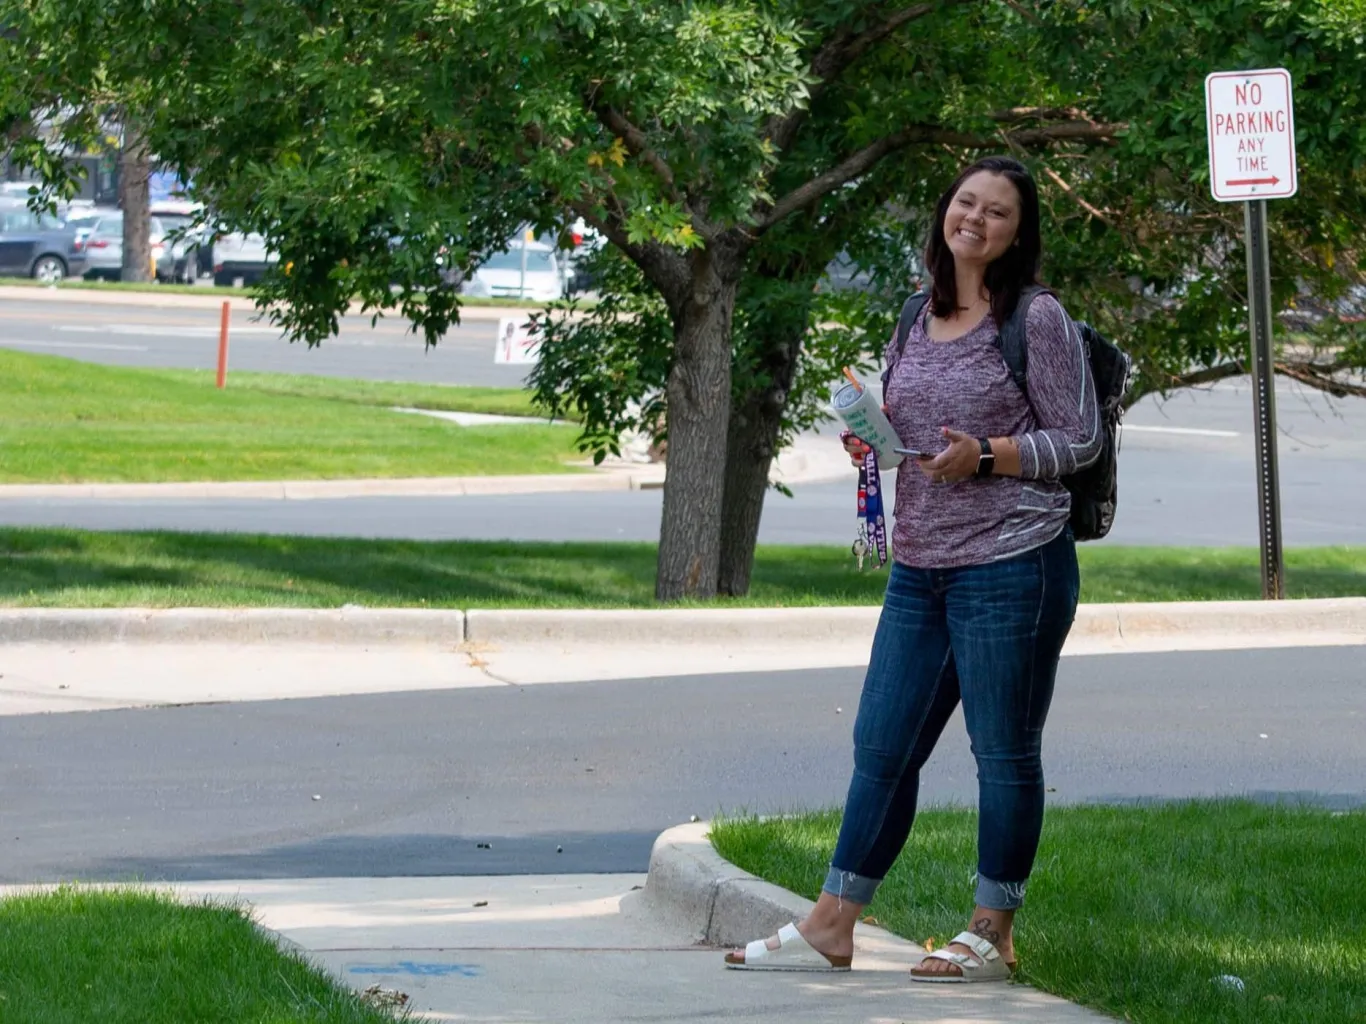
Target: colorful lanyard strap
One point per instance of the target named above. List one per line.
(872, 523)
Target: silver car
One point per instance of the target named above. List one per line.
(104, 246)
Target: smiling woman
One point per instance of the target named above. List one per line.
(984, 583)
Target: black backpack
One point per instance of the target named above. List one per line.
(1094, 489)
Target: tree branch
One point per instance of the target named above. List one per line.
(1320, 376)
(865, 159)
(831, 59)
(1062, 184)
(666, 269)
(1323, 377)
(834, 57)
(636, 144)
(639, 147)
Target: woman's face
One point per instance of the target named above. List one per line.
(983, 218)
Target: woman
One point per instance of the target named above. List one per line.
(983, 587)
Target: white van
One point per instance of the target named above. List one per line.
(529, 270)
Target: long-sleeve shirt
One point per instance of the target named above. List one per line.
(965, 384)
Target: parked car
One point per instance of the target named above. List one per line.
(189, 250)
(505, 276)
(241, 257)
(37, 245)
(104, 246)
(85, 219)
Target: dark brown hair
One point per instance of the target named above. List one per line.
(1016, 269)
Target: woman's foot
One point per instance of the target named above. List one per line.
(786, 951)
(992, 925)
(828, 929)
(831, 942)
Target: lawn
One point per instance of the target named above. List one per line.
(384, 394)
(1137, 911)
(128, 957)
(67, 421)
(72, 568)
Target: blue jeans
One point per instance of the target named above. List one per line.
(991, 636)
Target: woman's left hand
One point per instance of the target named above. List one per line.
(955, 463)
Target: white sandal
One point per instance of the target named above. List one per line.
(986, 966)
(794, 953)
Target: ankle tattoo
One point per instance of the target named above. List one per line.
(982, 929)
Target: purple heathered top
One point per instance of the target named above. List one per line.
(964, 384)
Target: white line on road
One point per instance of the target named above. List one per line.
(13, 343)
(1194, 431)
(165, 332)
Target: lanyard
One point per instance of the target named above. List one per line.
(872, 526)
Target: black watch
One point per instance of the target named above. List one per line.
(986, 462)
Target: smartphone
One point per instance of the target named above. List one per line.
(913, 453)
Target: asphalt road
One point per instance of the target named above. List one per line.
(188, 339)
(412, 783)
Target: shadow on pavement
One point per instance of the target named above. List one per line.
(391, 856)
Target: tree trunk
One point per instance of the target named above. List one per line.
(752, 445)
(698, 397)
(135, 168)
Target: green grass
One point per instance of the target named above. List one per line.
(73, 569)
(149, 287)
(127, 957)
(385, 394)
(67, 421)
(1124, 574)
(82, 285)
(1135, 910)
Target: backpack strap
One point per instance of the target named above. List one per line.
(909, 312)
(1012, 340)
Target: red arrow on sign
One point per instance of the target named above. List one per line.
(1253, 181)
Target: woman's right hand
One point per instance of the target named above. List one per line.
(856, 449)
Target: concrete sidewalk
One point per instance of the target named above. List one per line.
(582, 949)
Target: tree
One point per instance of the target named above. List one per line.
(135, 171)
(726, 150)
(685, 133)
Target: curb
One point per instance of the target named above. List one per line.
(1330, 620)
(232, 626)
(306, 490)
(1340, 620)
(776, 626)
(723, 905)
(658, 627)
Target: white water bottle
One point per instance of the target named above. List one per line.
(862, 413)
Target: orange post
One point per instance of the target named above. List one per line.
(223, 346)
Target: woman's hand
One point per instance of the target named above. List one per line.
(855, 448)
(955, 463)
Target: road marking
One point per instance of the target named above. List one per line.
(159, 331)
(420, 970)
(11, 343)
(1193, 431)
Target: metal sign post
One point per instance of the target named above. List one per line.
(1251, 125)
(1264, 401)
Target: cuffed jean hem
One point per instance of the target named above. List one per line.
(846, 885)
(999, 895)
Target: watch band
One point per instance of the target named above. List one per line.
(986, 462)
